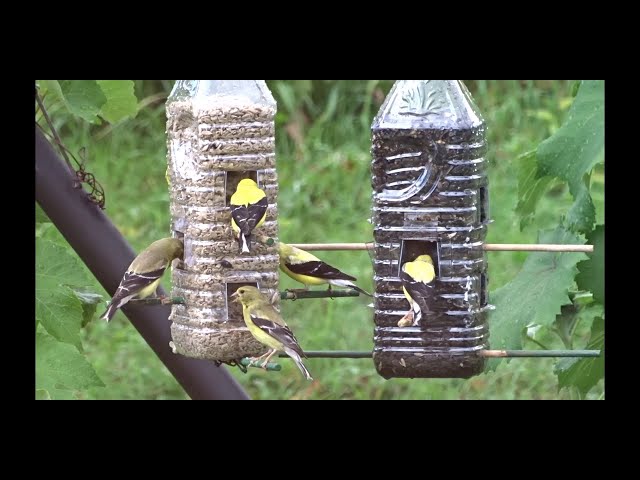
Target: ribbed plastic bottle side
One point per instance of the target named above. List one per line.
(446, 217)
(213, 143)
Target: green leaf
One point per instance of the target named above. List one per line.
(50, 88)
(89, 300)
(41, 217)
(121, 100)
(591, 276)
(578, 146)
(42, 395)
(536, 294)
(584, 373)
(83, 98)
(575, 88)
(58, 309)
(61, 369)
(531, 188)
(582, 214)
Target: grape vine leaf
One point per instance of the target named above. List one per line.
(584, 373)
(83, 98)
(58, 309)
(89, 300)
(42, 394)
(61, 369)
(591, 276)
(582, 214)
(531, 188)
(121, 100)
(536, 294)
(572, 152)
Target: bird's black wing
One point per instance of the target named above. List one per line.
(282, 333)
(318, 269)
(420, 292)
(132, 283)
(247, 218)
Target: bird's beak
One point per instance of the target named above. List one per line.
(235, 296)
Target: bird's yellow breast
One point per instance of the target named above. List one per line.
(149, 289)
(257, 332)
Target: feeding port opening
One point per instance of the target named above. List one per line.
(234, 309)
(412, 249)
(234, 178)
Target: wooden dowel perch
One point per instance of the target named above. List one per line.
(489, 247)
(483, 353)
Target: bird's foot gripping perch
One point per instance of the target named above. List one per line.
(296, 291)
(254, 362)
(165, 300)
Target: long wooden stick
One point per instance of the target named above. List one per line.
(490, 247)
(482, 353)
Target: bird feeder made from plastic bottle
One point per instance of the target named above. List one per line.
(429, 178)
(219, 132)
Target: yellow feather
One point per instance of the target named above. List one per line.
(149, 289)
(420, 271)
(247, 193)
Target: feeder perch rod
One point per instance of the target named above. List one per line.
(483, 353)
(489, 247)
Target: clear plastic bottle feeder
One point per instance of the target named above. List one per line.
(430, 197)
(219, 132)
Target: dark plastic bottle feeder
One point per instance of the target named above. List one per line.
(430, 197)
(219, 132)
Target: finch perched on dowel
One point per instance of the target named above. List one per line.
(267, 326)
(308, 269)
(143, 275)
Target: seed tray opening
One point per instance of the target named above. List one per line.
(234, 309)
(234, 178)
(412, 249)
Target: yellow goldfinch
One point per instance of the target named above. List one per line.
(248, 211)
(310, 270)
(143, 275)
(268, 327)
(417, 284)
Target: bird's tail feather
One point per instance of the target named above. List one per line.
(116, 303)
(111, 311)
(298, 361)
(245, 243)
(417, 311)
(349, 284)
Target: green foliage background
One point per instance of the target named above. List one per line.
(546, 184)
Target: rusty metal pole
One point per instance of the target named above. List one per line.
(107, 254)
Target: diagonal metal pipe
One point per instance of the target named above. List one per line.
(107, 254)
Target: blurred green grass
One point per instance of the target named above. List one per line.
(323, 142)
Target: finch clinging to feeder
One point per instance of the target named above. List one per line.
(248, 211)
(143, 275)
(417, 284)
(310, 270)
